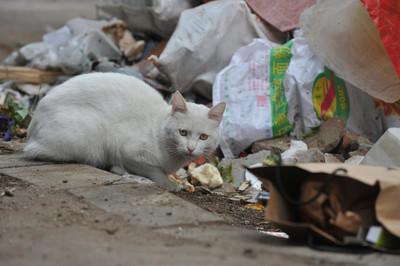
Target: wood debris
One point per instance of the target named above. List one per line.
(28, 74)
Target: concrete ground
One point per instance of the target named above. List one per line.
(66, 214)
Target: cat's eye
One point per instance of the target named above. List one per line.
(183, 132)
(203, 136)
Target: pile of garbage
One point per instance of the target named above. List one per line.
(304, 82)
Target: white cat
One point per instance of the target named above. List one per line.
(114, 120)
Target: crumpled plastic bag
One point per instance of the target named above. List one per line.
(157, 17)
(344, 37)
(205, 40)
(71, 49)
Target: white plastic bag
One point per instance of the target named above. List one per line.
(155, 17)
(205, 40)
(255, 109)
(72, 48)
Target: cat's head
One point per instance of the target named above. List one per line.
(192, 129)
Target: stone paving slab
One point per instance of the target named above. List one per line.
(17, 160)
(61, 176)
(145, 205)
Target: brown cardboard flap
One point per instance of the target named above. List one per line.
(387, 209)
(386, 206)
(363, 173)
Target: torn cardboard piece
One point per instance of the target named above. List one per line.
(355, 186)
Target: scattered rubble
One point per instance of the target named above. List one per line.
(276, 145)
(237, 166)
(234, 212)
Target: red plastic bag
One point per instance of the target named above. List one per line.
(386, 16)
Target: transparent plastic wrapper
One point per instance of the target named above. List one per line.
(343, 35)
(205, 40)
(315, 93)
(157, 17)
(385, 14)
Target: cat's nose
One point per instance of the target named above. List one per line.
(190, 149)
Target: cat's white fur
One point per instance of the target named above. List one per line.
(114, 120)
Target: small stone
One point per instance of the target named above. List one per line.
(331, 158)
(9, 192)
(111, 230)
(329, 135)
(349, 142)
(277, 145)
(248, 252)
(21, 132)
(308, 156)
(355, 160)
(354, 144)
(243, 186)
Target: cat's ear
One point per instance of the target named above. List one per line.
(178, 103)
(217, 112)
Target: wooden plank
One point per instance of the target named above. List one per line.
(28, 74)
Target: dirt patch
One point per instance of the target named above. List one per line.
(234, 212)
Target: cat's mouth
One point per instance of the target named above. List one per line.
(191, 155)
